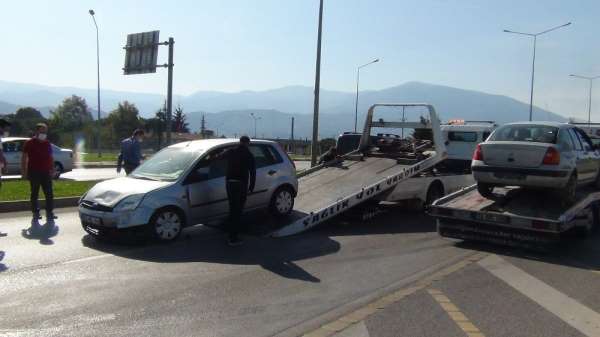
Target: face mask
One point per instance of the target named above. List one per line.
(41, 136)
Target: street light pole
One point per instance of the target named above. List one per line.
(315, 134)
(591, 80)
(255, 119)
(534, 35)
(99, 148)
(357, 81)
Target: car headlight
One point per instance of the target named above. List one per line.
(129, 203)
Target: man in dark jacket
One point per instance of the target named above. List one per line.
(131, 152)
(240, 179)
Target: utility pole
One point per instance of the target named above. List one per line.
(170, 91)
(99, 148)
(315, 134)
(292, 137)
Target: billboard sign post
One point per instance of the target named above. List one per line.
(141, 55)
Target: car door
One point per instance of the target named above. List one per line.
(206, 191)
(591, 163)
(13, 153)
(583, 165)
(267, 162)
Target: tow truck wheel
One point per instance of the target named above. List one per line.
(485, 189)
(58, 169)
(434, 192)
(569, 191)
(166, 224)
(282, 202)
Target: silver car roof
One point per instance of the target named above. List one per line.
(208, 144)
(543, 123)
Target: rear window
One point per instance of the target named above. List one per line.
(460, 136)
(526, 133)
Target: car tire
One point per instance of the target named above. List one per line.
(282, 202)
(166, 224)
(569, 192)
(435, 191)
(58, 170)
(485, 189)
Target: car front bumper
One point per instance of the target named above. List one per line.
(521, 176)
(117, 220)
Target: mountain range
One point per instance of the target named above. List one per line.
(229, 113)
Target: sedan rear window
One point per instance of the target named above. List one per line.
(460, 136)
(526, 133)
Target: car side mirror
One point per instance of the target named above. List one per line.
(197, 175)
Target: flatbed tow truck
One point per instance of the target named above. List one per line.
(515, 216)
(368, 173)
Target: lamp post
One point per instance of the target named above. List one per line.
(255, 120)
(92, 13)
(591, 80)
(357, 81)
(535, 35)
(315, 133)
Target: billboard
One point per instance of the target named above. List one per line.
(141, 53)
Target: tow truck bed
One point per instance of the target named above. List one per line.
(513, 215)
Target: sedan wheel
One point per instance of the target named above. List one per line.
(57, 170)
(282, 202)
(167, 225)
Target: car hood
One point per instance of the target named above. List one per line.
(110, 192)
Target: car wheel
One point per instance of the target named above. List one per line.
(434, 192)
(569, 192)
(58, 170)
(166, 224)
(485, 189)
(282, 202)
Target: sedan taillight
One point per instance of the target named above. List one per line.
(552, 157)
(478, 154)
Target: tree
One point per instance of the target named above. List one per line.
(24, 120)
(72, 114)
(180, 121)
(123, 121)
(69, 119)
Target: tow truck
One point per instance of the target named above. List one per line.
(368, 173)
(514, 216)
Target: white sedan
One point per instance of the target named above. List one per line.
(13, 151)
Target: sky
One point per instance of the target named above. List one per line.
(235, 45)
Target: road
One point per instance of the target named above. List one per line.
(86, 174)
(72, 285)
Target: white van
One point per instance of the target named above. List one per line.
(461, 139)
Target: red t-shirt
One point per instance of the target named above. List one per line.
(40, 155)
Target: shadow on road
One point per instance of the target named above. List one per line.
(3, 267)
(43, 233)
(202, 244)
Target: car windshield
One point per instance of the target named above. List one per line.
(526, 133)
(168, 164)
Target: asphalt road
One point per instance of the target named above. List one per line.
(86, 174)
(69, 284)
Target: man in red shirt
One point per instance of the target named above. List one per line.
(37, 165)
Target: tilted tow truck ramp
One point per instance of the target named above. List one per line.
(328, 190)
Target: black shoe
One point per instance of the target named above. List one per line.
(235, 242)
(3, 234)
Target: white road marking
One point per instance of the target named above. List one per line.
(89, 258)
(356, 330)
(577, 315)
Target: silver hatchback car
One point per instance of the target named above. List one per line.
(537, 155)
(182, 186)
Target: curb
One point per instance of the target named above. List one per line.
(25, 205)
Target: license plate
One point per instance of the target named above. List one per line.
(91, 220)
(507, 175)
(492, 217)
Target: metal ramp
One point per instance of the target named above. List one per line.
(330, 190)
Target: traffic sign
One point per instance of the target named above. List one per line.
(141, 53)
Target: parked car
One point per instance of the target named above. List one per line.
(184, 185)
(539, 155)
(13, 150)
